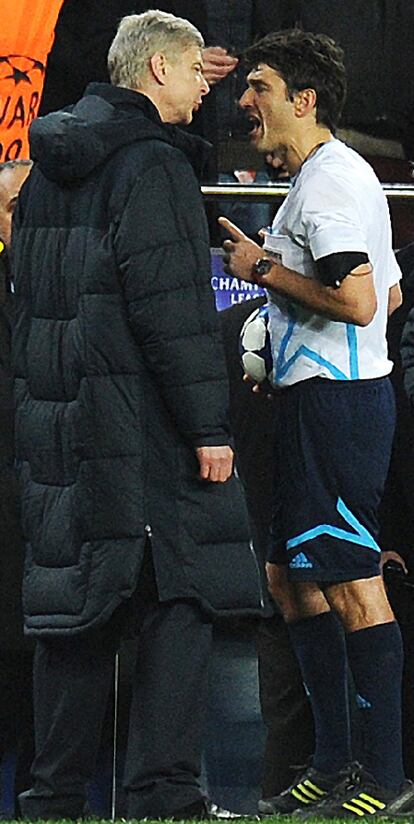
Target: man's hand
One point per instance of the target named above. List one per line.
(263, 388)
(277, 162)
(240, 253)
(216, 463)
(217, 64)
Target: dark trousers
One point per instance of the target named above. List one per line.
(72, 681)
(16, 712)
(286, 711)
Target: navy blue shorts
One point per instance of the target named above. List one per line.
(333, 447)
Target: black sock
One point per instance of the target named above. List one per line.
(375, 657)
(320, 648)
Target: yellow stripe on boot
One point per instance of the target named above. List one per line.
(375, 801)
(313, 787)
(353, 809)
(305, 796)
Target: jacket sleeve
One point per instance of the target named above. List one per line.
(163, 255)
(407, 356)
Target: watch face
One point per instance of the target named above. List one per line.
(263, 266)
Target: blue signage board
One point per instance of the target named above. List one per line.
(229, 290)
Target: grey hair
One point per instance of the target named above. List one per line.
(139, 36)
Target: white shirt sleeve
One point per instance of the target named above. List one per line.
(330, 216)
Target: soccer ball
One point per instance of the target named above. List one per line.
(254, 345)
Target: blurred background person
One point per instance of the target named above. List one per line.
(16, 722)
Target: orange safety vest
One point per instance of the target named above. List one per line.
(26, 38)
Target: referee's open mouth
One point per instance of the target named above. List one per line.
(256, 130)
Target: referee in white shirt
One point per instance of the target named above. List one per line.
(332, 279)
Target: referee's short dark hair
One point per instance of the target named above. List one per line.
(305, 61)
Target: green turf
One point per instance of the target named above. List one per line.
(251, 820)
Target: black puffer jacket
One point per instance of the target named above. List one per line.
(11, 538)
(120, 373)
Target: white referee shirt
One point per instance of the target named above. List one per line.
(336, 204)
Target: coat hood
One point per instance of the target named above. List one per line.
(69, 144)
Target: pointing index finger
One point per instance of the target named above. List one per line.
(232, 229)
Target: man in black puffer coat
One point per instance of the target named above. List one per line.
(129, 500)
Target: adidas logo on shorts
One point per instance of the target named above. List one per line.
(301, 562)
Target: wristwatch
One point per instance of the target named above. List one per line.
(262, 266)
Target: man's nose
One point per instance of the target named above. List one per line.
(245, 99)
(205, 88)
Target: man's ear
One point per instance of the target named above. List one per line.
(159, 67)
(305, 102)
